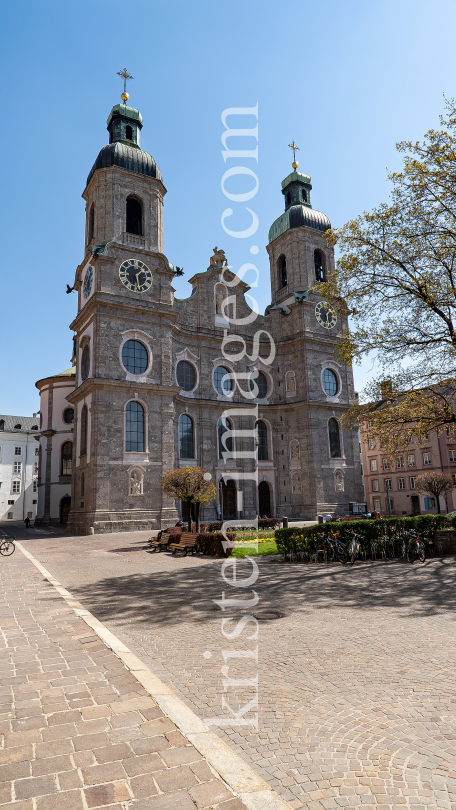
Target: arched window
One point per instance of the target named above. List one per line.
(261, 384)
(225, 444)
(304, 195)
(134, 216)
(262, 440)
(282, 271)
(186, 375)
(288, 198)
(128, 133)
(330, 382)
(66, 458)
(85, 363)
(134, 428)
(264, 499)
(91, 223)
(320, 274)
(84, 420)
(135, 357)
(68, 415)
(334, 438)
(186, 437)
(222, 381)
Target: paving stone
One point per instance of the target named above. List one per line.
(106, 794)
(110, 772)
(113, 752)
(42, 767)
(68, 800)
(175, 779)
(143, 786)
(35, 786)
(210, 793)
(176, 801)
(16, 770)
(147, 763)
(180, 756)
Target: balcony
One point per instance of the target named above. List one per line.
(133, 240)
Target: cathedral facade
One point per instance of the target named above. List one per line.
(162, 382)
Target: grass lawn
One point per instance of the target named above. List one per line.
(249, 550)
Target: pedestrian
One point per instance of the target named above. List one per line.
(27, 522)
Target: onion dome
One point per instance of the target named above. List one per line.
(124, 127)
(298, 213)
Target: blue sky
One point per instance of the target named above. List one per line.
(346, 80)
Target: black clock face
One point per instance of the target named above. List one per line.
(325, 315)
(135, 275)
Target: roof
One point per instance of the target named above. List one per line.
(298, 216)
(70, 372)
(126, 157)
(26, 423)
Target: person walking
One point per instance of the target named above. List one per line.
(27, 522)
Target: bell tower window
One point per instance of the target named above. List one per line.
(134, 216)
(282, 271)
(304, 195)
(129, 133)
(91, 223)
(320, 274)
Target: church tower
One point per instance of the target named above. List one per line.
(123, 397)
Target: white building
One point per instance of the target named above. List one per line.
(19, 456)
(56, 448)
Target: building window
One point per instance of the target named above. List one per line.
(389, 504)
(452, 455)
(319, 266)
(399, 462)
(449, 430)
(330, 382)
(334, 438)
(35, 486)
(66, 458)
(85, 363)
(18, 451)
(412, 482)
(225, 444)
(10, 515)
(259, 386)
(375, 485)
(84, 423)
(376, 504)
(135, 357)
(68, 416)
(371, 444)
(82, 484)
(128, 133)
(401, 483)
(91, 223)
(18, 427)
(454, 479)
(37, 451)
(134, 216)
(411, 461)
(387, 483)
(373, 464)
(186, 375)
(222, 381)
(17, 467)
(304, 195)
(282, 271)
(35, 467)
(386, 464)
(262, 441)
(430, 503)
(186, 437)
(426, 458)
(16, 487)
(134, 433)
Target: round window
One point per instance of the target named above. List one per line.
(135, 357)
(68, 416)
(223, 384)
(186, 375)
(330, 382)
(262, 384)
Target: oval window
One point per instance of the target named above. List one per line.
(135, 357)
(223, 384)
(68, 416)
(262, 384)
(186, 375)
(330, 383)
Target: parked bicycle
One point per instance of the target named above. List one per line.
(7, 546)
(413, 548)
(354, 547)
(333, 550)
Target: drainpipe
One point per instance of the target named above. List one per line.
(441, 467)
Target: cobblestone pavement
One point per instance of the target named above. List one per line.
(357, 692)
(77, 729)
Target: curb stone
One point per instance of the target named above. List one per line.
(243, 780)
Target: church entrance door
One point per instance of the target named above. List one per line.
(229, 499)
(65, 506)
(264, 499)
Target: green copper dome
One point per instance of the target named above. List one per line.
(298, 213)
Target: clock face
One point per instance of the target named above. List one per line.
(325, 315)
(135, 275)
(88, 281)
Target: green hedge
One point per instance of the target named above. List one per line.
(376, 532)
(211, 544)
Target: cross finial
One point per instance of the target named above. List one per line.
(295, 148)
(125, 75)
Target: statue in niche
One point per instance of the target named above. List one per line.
(218, 259)
(135, 484)
(294, 451)
(291, 386)
(219, 299)
(296, 485)
(339, 481)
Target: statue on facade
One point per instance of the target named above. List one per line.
(219, 299)
(135, 484)
(291, 382)
(294, 451)
(296, 485)
(339, 481)
(218, 259)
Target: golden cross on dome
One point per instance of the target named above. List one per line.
(295, 148)
(125, 75)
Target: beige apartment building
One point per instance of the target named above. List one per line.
(390, 488)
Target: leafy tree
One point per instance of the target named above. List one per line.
(435, 484)
(396, 278)
(192, 485)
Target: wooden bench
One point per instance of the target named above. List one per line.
(187, 542)
(162, 544)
